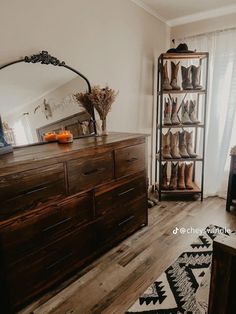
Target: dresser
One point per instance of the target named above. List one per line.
(231, 194)
(61, 206)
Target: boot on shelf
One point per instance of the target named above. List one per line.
(189, 176)
(174, 75)
(174, 176)
(167, 112)
(166, 81)
(174, 113)
(174, 145)
(182, 145)
(193, 112)
(196, 73)
(189, 144)
(181, 176)
(166, 146)
(164, 184)
(185, 119)
(186, 77)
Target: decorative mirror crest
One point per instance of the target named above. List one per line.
(44, 58)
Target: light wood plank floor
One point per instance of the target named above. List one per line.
(113, 282)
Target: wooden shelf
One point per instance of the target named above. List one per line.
(183, 56)
(198, 158)
(183, 91)
(195, 190)
(180, 126)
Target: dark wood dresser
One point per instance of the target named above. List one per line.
(231, 194)
(63, 205)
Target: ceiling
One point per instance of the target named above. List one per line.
(176, 12)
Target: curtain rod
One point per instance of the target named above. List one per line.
(208, 33)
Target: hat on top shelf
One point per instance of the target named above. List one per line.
(182, 48)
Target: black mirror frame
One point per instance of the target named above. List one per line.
(45, 58)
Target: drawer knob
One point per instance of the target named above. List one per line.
(92, 171)
(64, 258)
(132, 159)
(126, 192)
(57, 224)
(125, 221)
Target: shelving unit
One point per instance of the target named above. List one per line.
(201, 59)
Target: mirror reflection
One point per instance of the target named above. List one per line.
(36, 99)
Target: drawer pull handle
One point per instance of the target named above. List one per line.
(125, 192)
(64, 258)
(57, 224)
(125, 221)
(132, 159)
(87, 173)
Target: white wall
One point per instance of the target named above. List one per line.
(204, 26)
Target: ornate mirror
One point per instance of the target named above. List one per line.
(36, 97)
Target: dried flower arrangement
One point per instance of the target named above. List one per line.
(99, 98)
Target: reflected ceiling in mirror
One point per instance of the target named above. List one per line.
(38, 98)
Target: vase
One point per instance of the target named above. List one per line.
(104, 127)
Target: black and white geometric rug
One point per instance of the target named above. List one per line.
(175, 291)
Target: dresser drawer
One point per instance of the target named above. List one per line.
(115, 226)
(116, 195)
(129, 160)
(28, 234)
(50, 265)
(25, 190)
(85, 173)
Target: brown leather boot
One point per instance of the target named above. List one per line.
(167, 112)
(164, 184)
(189, 144)
(174, 75)
(181, 176)
(174, 145)
(166, 146)
(196, 73)
(189, 176)
(166, 81)
(174, 176)
(182, 145)
(174, 113)
(186, 77)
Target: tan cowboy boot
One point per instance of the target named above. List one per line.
(174, 176)
(192, 112)
(167, 112)
(166, 81)
(185, 119)
(189, 144)
(182, 145)
(196, 73)
(181, 176)
(174, 114)
(186, 77)
(189, 176)
(174, 75)
(164, 184)
(174, 145)
(166, 146)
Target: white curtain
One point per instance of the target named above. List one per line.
(221, 113)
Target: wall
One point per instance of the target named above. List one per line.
(204, 26)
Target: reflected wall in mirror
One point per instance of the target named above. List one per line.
(37, 98)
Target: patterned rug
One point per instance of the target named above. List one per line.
(177, 290)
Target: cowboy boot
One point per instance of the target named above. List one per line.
(185, 119)
(186, 77)
(166, 146)
(182, 145)
(167, 112)
(164, 184)
(189, 176)
(192, 112)
(174, 145)
(166, 81)
(189, 144)
(174, 114)
(196, 73)
(174, 176)
(181, 176)
(174, 75)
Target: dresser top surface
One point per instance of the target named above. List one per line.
(48, 151)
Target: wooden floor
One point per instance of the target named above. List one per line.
(114, 281)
